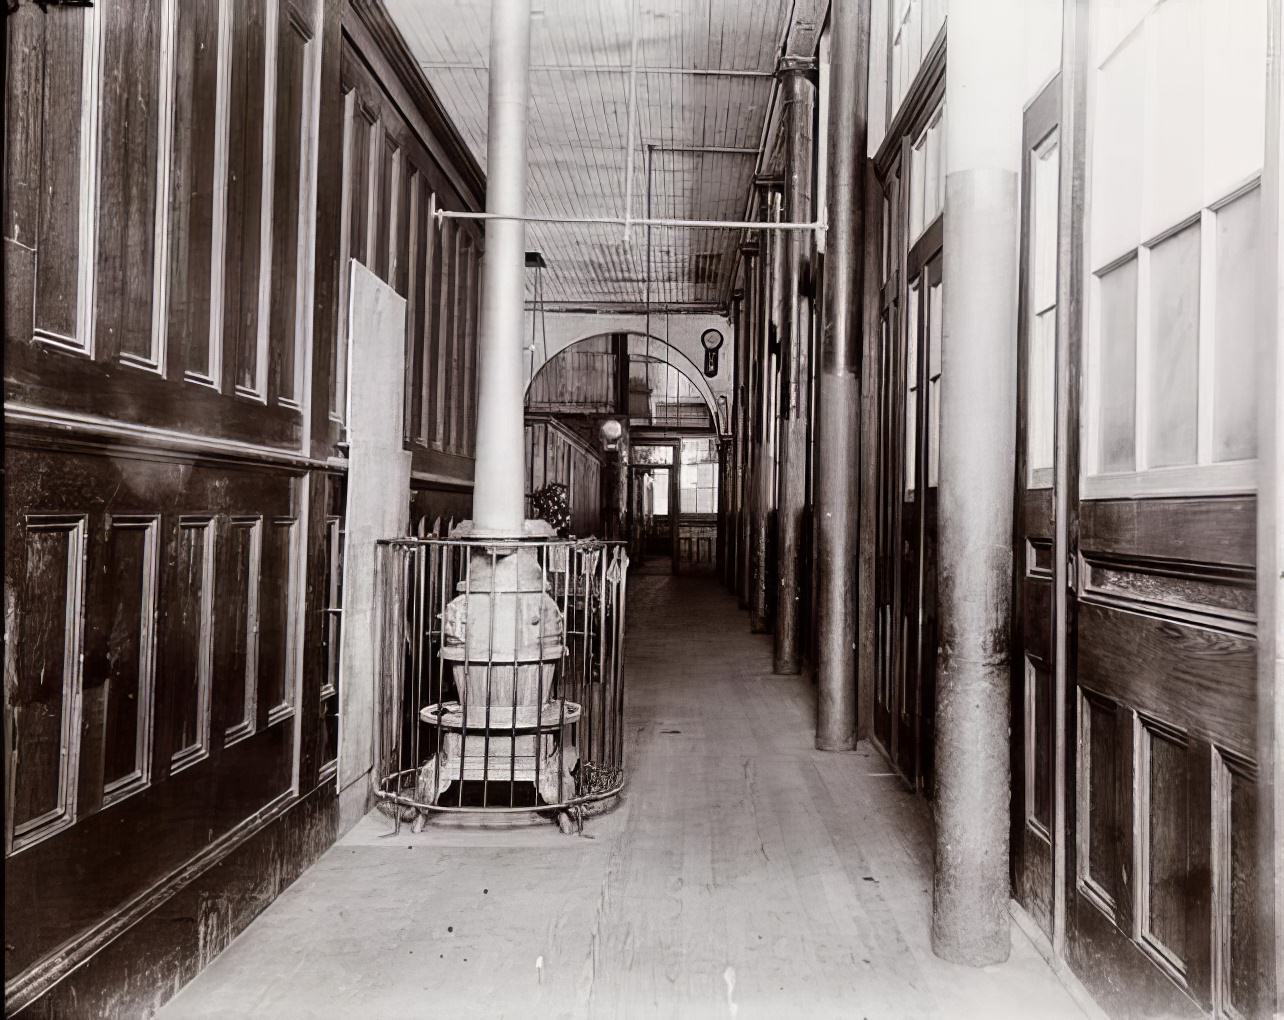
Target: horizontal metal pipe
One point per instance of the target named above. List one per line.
(620, 221)
(728, 150)
(707, 72)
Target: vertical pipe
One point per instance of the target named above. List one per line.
(744, 355)
(970, 920)
(838, 389)
(795, 367)
(498, 504)
(764, 466)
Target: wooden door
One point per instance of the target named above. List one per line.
(909, 377)
(909, 387)
(889, 467)
(1164, 903)
(1033, 663)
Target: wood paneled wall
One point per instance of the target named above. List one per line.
(392, 186)
(184, 183)
(556, 454)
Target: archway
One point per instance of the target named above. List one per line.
(660, 480)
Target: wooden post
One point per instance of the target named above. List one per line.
(970, 915)
(838, 390)
(794, 412)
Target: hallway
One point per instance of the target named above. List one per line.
(743, 874)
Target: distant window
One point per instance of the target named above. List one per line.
(699, 478)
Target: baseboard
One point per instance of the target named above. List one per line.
(1069, 980)
(151, 952)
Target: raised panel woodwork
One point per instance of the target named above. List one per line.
(416, 235)
(236, 651)
(45, 694)
(427, 343)
(122, 652)
(403, 220)
(64, 225)
(1239, 945)
(290, 231)
(1213, 530)
(137, 513)
(1196, 678)
(463, 339)
(1038, 748)
(189, 640)
(132, 98)
(277, 617)
(1219, 596)
(360, 191)
(444, 348)
(246, 279)
(1165, 876)
(194, 205)
(1100, 811)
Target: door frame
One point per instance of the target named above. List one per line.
(675, 507)
(1041, 120)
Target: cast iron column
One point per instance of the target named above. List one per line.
(970, 919)
(730, 543)
(764, 460)
(795, 367)
(499, 478)
(744, 357)
(838, 389)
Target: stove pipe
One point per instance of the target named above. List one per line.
(499, 481)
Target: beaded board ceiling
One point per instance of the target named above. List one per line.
(702, 86)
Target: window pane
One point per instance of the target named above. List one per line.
(652, 454)
(1043, 240)
(660, 493)
(1174, 350)
(1118, 130)
(1236, 330)
(1174, 94)
(1117, 368)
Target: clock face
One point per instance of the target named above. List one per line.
(711, 339)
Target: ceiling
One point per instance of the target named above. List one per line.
(700, 132)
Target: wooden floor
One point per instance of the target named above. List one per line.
(744, 874)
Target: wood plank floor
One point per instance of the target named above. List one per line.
(743, 875)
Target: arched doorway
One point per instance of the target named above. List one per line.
(660, 477)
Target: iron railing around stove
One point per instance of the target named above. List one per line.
(501, 679)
